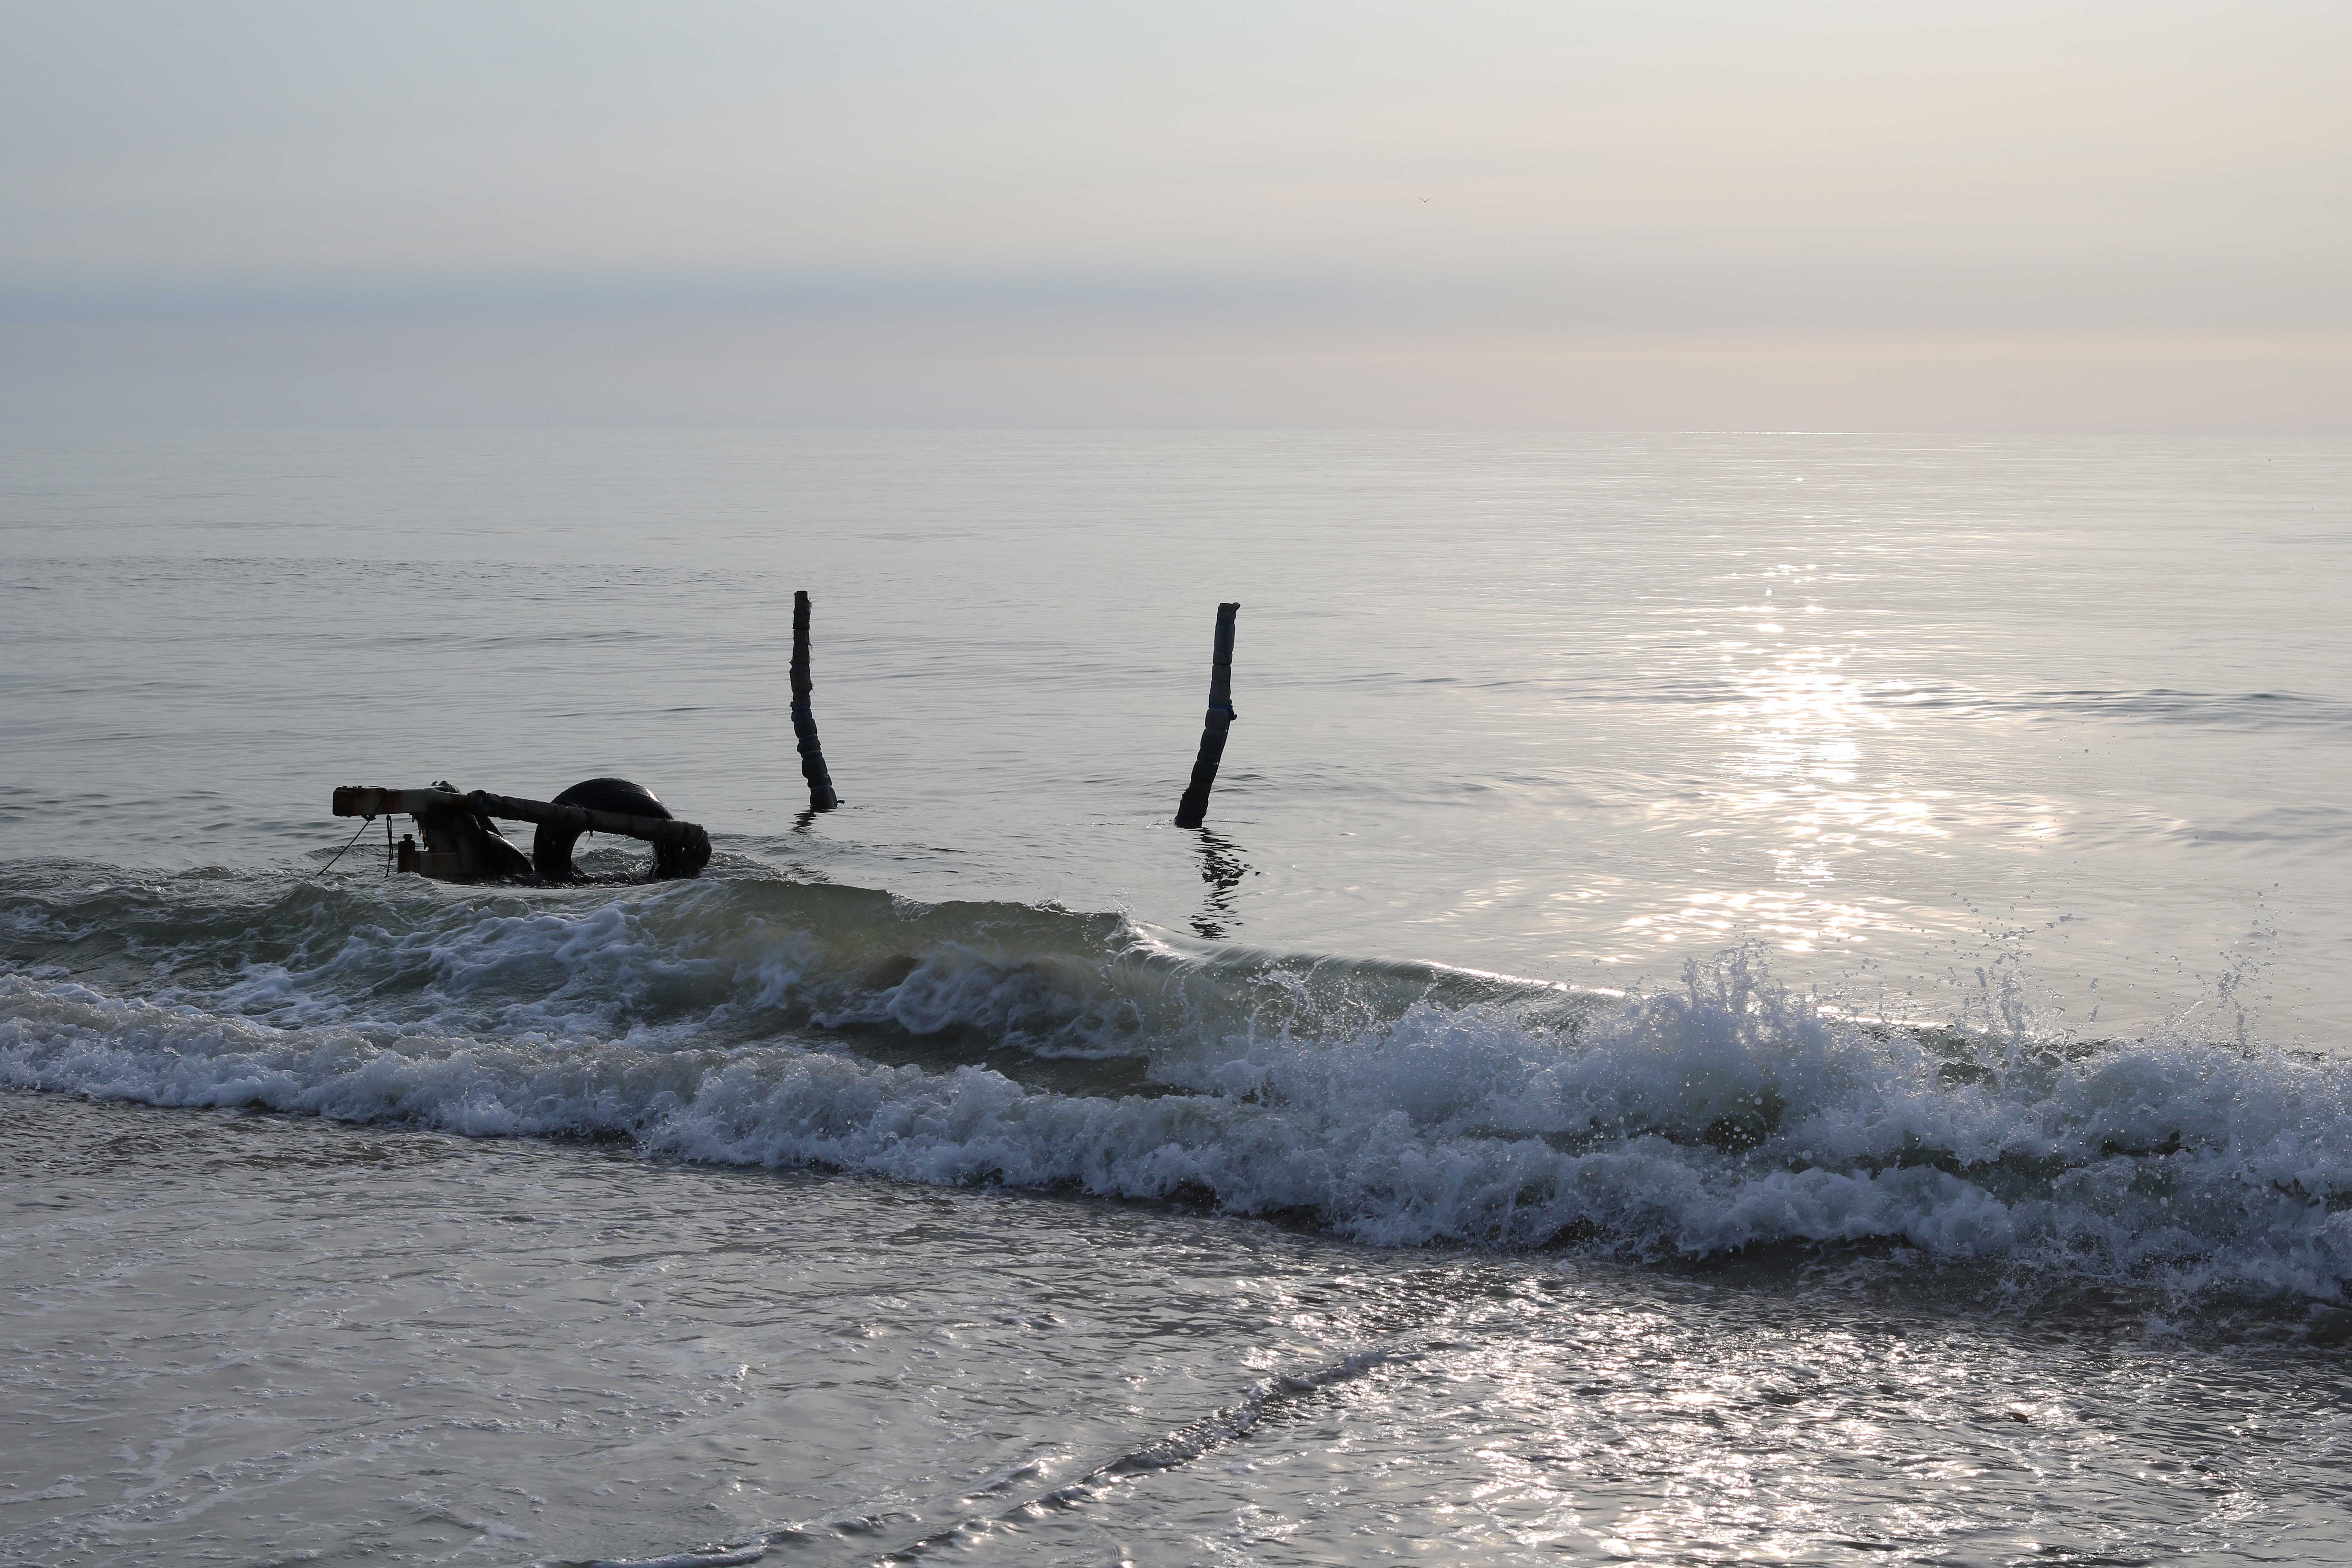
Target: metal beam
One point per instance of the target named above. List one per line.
(359, 800)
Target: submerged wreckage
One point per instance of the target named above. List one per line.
(462, 843)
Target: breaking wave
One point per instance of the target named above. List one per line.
(764, 1023)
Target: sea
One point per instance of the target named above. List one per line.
(1740, 999)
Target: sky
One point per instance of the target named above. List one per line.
(1676, 214)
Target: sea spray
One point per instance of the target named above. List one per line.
(756, 1023)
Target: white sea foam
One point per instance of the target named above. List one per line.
(1726, 1115)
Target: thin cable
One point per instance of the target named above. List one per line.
(339, 853)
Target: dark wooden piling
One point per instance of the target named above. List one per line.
(820, 783)
(1195, 804)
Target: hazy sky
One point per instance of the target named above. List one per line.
(1680, 214)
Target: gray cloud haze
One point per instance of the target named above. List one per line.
(1669, 215)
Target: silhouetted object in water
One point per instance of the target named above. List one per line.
(1194, 807)
(819, 781)
(462, 844)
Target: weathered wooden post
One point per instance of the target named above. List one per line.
(1195, 804)
(820, 783)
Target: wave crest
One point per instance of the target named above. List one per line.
(769, 1024)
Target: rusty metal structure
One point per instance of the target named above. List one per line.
(463, 844)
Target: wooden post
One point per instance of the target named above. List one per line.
(820, 783)
(1195, 804)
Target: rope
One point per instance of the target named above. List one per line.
(339, 853)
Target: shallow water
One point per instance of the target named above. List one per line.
(1568, 708)
(1724, 973)
(247, 1340)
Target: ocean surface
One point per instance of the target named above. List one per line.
(1742, 998)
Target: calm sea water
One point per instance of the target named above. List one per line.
(1742, 997)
